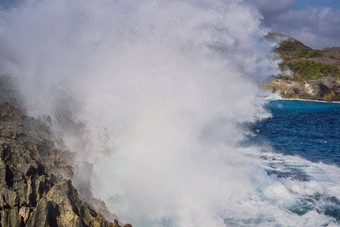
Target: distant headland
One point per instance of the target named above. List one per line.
(306, 73)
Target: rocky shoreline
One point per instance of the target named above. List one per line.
(326, 89)
(306, 73)
(35, 175)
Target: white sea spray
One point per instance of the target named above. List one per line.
(152, 93)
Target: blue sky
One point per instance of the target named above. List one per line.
(302, 4)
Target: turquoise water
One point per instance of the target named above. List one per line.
(305, 128)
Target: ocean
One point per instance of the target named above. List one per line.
(308, 129)
(301, 145)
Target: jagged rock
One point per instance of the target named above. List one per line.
(25, 213)
(62, 207)
(82, 182)
(35, 185)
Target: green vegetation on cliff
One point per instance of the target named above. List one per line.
(292, 45)
(310, 70)
(306, 63)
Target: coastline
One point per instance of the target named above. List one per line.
(325, 89)
(278, 97)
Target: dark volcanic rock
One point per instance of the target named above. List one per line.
(35, 186)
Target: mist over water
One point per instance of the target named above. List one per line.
(153, 93)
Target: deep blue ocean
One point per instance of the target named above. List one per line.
(300, 147)
(308, 129)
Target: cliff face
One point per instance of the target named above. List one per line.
(327, 89)
(35, 189)
(305, 73)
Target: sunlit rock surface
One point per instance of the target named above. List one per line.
(35, 185)
(326, 89)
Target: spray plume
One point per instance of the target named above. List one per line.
(152, 93)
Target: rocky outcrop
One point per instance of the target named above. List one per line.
(326, 89)
(305, 73)
(35, 185)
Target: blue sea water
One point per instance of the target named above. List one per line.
(308, 129)
(300, 147)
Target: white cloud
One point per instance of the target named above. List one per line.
(317, 27)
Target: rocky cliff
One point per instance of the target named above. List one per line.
(305, 73)
(326, 89)
(35, 185)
